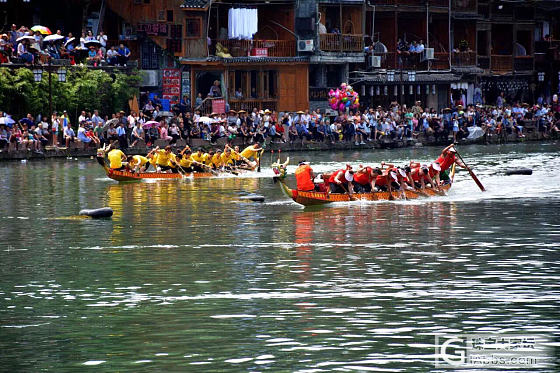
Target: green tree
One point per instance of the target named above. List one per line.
(84, 89)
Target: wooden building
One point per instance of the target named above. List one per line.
(264, 72)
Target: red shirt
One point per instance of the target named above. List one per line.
(446, 160)
(303, 178)
(364, 177)
(335, 174)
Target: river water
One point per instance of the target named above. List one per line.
(188, 277)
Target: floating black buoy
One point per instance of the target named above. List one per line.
(104, 212)
(519, 171)
(253, 197)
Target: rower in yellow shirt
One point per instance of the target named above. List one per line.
(226, 158)
(198, 160)
(116, 159)
(138, 163)
(237, 160)
(216, 162)
(252, 151)
(207, 158)
(163, 157)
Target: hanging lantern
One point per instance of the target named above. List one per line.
(402, 89)
(418, 89)
(385, 90)
(363, 90)
(371, 90)
(395, 91)
(427, 89)
(377, 90)
(410, 89)
(433, 89)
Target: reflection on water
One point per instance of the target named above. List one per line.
(186, 276)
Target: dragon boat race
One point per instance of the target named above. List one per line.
(189, 276)
(280, 186)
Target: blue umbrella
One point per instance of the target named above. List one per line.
(7, 121)
(26, 121)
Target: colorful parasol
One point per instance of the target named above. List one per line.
(150, 124)
(42, 29)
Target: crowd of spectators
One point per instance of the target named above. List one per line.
(396, 122)
(23, 45)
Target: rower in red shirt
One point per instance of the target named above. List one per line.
(341, 181)
(446, 160)
(364, 179)
(304, 177)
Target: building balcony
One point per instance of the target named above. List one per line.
(523, 63)
(501, 63)
(259, 48)
(341, 42)
(508, 63)
(395, 61)
(463, 59)
(250, 103)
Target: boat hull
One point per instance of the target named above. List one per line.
(127, 176)
(321, 198)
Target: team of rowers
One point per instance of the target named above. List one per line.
(186, 161)
(387, 178)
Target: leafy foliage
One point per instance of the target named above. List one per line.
(84, 89)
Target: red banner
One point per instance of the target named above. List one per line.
(171, 85)
(219, 106)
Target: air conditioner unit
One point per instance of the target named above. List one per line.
(149, 78)
(375, 61)
(428, 54)
(305, 45)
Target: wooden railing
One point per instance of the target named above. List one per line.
(206, 106)
(275, 48)
(341, 42)
(463, 58)
(441, 61)
(249, 104)
(501, 63)
(483, 62)
(523, 63)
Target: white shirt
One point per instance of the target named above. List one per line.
(102, 39)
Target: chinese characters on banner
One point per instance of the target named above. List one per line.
(219, 106)
(171, 87)
(158, 29)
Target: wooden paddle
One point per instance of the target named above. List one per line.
(471, 172)
(206, 167)
(352, 198)
(259, 161)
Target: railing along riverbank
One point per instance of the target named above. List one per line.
(79, 150)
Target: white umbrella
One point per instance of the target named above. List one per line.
(6, 120)
(204, 119)
(53, 37)
(69, 41)
(25, 37)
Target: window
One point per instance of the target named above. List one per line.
(169, 16)
(193, 28)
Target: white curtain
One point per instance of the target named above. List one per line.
(242, 23)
